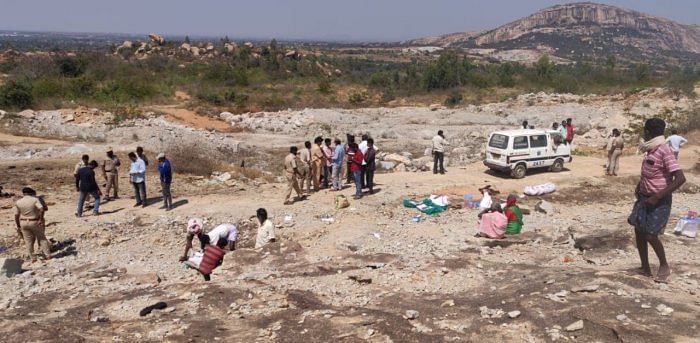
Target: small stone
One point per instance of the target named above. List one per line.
(98, 316)
(448, 303)
(411, 314)
(514, 314)
(586, 288)
(105, 242)
(646, 306)
(550, 281)
(664, 310)
(621, 317)
(575, 326)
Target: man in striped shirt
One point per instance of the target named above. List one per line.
(660, 177)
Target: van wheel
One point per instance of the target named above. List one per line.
(519, 171)
(558, 165)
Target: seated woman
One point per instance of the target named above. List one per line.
(492, 222)
(514, 215)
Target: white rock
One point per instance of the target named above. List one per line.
(514, 314)
(224, 177)
(575, 326)
(411, 314)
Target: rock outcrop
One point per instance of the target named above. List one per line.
(585, 30)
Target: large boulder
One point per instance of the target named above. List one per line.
(27, 114)
(397, 158)
(156, 38)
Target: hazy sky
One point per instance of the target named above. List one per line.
(373, 20)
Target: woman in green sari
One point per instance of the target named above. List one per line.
(514, 215)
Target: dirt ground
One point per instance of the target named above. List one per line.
(352, 280)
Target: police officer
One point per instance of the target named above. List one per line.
(292, 173)
(29, 219)
(110, 171)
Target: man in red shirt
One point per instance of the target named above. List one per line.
(569, 131)
(356, 168)
(661, 176)
(212, 258)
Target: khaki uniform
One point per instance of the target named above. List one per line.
(290, 163)
(110, 167)
(317, 163)
(303, 166)
(30, 211)
(616, 146)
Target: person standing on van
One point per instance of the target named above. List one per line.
(562, 130)
(569, 131)
(525, 125)
(660, 177)
(439, 143)
(614, 152)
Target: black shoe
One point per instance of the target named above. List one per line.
(138, 204)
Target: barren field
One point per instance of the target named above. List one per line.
(373, 274)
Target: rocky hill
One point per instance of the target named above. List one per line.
(588, 31)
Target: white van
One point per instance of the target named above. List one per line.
(516, 151)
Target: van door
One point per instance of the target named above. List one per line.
(539, 156)
(521, 151)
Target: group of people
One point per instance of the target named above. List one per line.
(87, 186)
(320, 165)
(496, 220)
(565, 130)
(214, 243)
(616, 145)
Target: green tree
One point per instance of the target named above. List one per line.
(187, 39)
(71, 66)
(506, 73)
(15, 94)
(544, 68)
(447, 72)
(611, 62)
(641, 72)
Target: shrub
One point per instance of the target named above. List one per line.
(453, 99)
(356, 98)
(15, 94)
(70, 66)
(324, 87)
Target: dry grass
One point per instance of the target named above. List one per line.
(192, 159)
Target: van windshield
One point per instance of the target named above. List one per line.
(498, 141)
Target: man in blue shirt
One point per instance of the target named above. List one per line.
(166, 178)
(337, 160)
(137, 175)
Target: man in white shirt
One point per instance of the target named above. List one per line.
(439, 143)
(676, 142)
(266, 231)
(363, 147)
(137, 176)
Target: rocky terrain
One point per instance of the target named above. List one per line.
(368, 272)
(586, 31)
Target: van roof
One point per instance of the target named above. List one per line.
(522, 132)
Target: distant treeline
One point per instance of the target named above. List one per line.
(265, 79)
